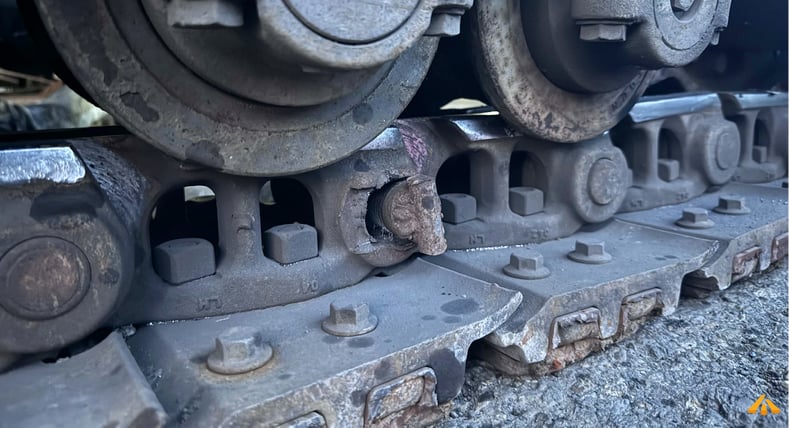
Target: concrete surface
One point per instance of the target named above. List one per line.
(704, 365)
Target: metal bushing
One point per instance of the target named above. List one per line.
(719, 151)
(42, 278)
(66, 258)
(599, 181)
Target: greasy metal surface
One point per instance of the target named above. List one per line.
(67, 261)
(127, 69)
(735, 233)
(312, 371)
(665, 35)
(53, 164)
(256, 268)
(515, 84)
(689, 136)
(500, 160)
(100, 387)
(642, 258)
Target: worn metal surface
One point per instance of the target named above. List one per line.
(677, 147)
(658, 33)
(66, 257)
(53, 164)
(345, 380)
(642, 259)
(738, 234)
(100, 387)
(762, 121)
(515, 84)
(130, 71)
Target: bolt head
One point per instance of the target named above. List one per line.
(349, 313)
(349, 318)
(730, 204)
(695, 218)
(603, 32)
(530, 260)
(590, 248)
(695, 215)
(526, 264)
(590, 251)
(238, 350)
(683, 5)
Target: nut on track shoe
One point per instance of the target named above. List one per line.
(396, 372)
(749, 242)
(567, 314)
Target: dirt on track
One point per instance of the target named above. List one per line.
(703, 365)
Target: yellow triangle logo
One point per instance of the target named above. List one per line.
(762, 405)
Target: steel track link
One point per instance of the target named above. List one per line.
(336, 320)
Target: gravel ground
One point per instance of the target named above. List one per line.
(703, 365)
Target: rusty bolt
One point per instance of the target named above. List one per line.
(695, 218)
(347, 318)
(590, 251)
(603, 32)
(239, 350)
(730, 204)
(682, 5)
(526, 265)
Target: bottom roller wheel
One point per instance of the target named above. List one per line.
(566, 71)
(263, 94)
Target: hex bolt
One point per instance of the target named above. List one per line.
(458, 208)
(695, 218)
(526, 265)
(526, 200)
(183, 260)
(759, 154)
(668, 169)
(349, 318)
(290, 243)
(731, 204)
(603, 32)
(590, 251)
(683, 5)
(238, 350)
